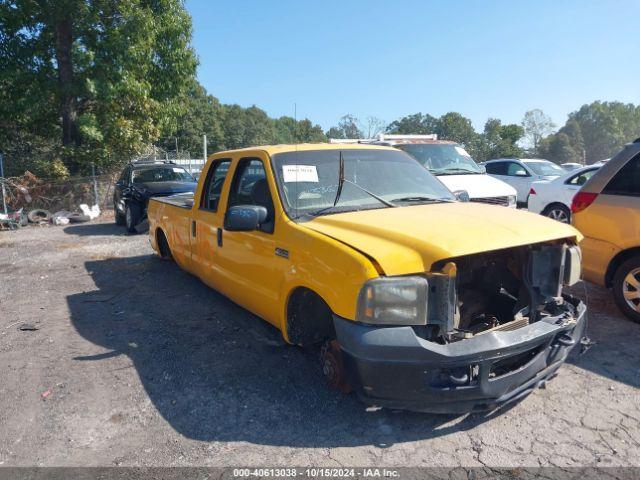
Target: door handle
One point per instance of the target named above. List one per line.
(193, 228)
(219, 237)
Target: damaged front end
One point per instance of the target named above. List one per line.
(475, 333)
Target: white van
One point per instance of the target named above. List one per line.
(451, 163)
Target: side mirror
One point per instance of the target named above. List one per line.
(483, 169)
(462, 196)
(520, 173)
(244, 218)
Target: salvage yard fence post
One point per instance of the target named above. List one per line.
(4, 193)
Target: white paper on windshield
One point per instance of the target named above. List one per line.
(177, 170)
(462, 151)
(299, 173)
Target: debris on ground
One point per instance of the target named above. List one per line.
(46, 393)
(27, 327)
(39, 215)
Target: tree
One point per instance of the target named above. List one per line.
(536, 126)
(498, 141)
(348, 127)
(373, 126)
(605, 127)
(594, 132)
(453, 126)
(200, 114)
(288, 130)
(558, 148)
(417, 124)
(103, 76)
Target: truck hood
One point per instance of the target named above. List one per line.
(479, 185)
(410, 239)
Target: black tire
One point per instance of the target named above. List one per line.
(630, 267)
(133, 215)
(78, 218)
(120, 220)
(39, 215)
(559, 212)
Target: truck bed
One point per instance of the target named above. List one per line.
(182, 200)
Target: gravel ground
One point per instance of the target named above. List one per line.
(137, 363)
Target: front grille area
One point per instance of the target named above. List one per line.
(504, 201)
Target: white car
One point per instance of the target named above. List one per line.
(458, 171)
(571, 166)
(451, 163)
(520, 173)
(553, 198)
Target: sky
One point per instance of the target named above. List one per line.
(388, 59)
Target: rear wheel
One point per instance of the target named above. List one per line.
(626, 288)
(559, 212)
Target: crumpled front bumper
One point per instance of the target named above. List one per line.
(393, 367)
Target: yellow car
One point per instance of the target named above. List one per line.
(607, 211)
(418, 301)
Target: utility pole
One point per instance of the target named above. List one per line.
(95, 184)
(4, 204)
(204, 149)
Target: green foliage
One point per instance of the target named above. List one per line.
(348, 127)
(495, 141)
(498, 141)
(417, 124)
(594, 132)
(99, 78)
(536, 126)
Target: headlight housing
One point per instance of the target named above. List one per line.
(394, 301)
(512, 201)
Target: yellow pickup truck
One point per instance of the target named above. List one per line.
(417, 300)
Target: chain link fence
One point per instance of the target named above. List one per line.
(29, 192)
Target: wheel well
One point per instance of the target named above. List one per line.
(560, 204)
(617, 261)
(163, 244)
(309, 318)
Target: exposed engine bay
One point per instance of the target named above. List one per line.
(500, 290)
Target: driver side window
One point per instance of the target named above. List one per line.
(516, 170)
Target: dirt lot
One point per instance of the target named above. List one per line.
(137, 363)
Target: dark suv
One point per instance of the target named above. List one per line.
(142, 180)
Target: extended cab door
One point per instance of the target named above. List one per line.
(206, 224)
(252, 271)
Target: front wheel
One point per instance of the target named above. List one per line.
(558, 212)
(626, 288)
(133, 215)
(120, 218)
(333, 367)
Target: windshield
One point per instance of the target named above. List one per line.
(442, 159)
(162, 174)
(545, 168)
(308, 181)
